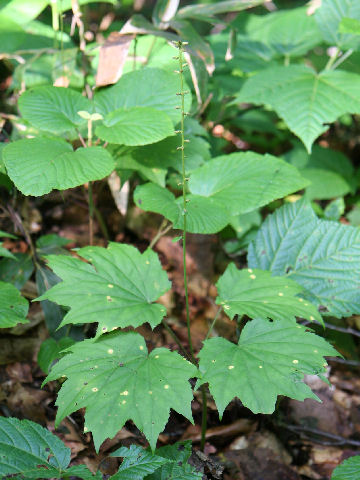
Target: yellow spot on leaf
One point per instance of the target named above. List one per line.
(226, 307)
(110, 351)
(147, 262)
(311, 317)
(230, 367)
(108, 298)
(250, 270)
(166, 387)
(315, 351)
(260, 366)
(280, 294)
(125, 392)
(301, 299)
(156, 356)
(295, 361)
(123, 402)
(110, 286)
(253, 277)
(95, 389)
(150, 392)
(141, 347)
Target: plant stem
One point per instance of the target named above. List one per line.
(182, 148)
(213, 323)
(342, 59)
(176, 339)
(332, 59)
(90, 190)
(203, 417)
(164, 228)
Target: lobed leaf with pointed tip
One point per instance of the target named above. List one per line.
(320, 255)
(270, 359)
(117, 289)
(256, 293)
(116, 380)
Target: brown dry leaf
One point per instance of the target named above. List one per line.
(258, 464)
(241, 426)
(27, 402)
(62, 81)
(20, 372)
(112, 58)
(325, 459)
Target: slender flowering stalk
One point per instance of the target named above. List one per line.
(182, 93)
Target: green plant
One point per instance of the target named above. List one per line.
(299, 265)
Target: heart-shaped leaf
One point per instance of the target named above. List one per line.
(148, 87)
(270, 359)
(135, 126)
(115, 376)
(39, 165)
(53, 109)
(117, 290)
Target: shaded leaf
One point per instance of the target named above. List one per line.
(13, 307)
(270, 359)
(114, 375)
(117, 289)
(50, 350)
(18, 271)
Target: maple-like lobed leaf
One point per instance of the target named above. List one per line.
(116, 380)
(256, 293)
(270, 359)
(117, 289)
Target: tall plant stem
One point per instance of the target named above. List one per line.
(90, 190)
(182, 93)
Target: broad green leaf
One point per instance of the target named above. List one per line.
(137, 463)
(50, 350)
(221, 188)
(11, 34)
(22, 11)
(349, 469)
(165, 154)
(257, 294)
(179, 468)
(30, 451)
(82, 472)
(115, 376)
(135, 126)
(330, 172)
(51, 244)
(117, 289)
(329, 17)
(349, 25)
(13, 307)
(320, 255)
(270, 359)
(39, 165)
(287, 32)
(53, 109)
(148, 87)
(307, 101)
